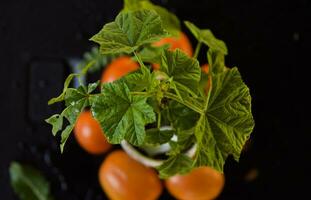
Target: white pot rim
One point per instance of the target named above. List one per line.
(148, 161)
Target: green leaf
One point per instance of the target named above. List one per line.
(57, 123)
(141, 80)
(152, 54)
(67, 83)
(185, 71)
(170, 21)
(182, 117)
(28, 183)
(227, 123)
(129, 31)
(179, 164)
(206, 36)
(121, 115)
(76, 101)
(216, 61)
(157, 136)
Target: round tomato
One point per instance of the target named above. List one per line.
(202, 183)
(123, 178)
(118, 68)
(182, 42)
(89, 134)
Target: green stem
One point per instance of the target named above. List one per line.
(149, 94)
(141, 63)
(159, 119)
(208, 93)
(197, 50)
(184, 102)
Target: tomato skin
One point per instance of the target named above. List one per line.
(205, 68)
(123, 178)
(118, 68)
(89, 134)
(203, 183)
(182, 42)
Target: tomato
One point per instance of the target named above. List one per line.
(205, 68)
(89, 134)
(182, 42)
(203, 183)
(123, 178)
(118, 68)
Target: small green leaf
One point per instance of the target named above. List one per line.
(157, 136)
(121, 115)
(76, 101)
(67, 83)
(57, 123)
(216, 61)
(28, 183)
(178, 164)
(185, 71)
(170, 21)
(227, 123)
(129, 31)
(206, 36)
(62, 95)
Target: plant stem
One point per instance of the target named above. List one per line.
(184, 102)
(141, 63)
(208, 92)
(142, 93)
(197, 50)
(159, 119)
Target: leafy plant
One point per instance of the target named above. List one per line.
(212, 111)
(29, 183)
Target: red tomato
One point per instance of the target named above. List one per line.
(182, 42)
(118, 68)
(123, 178)
(89, 134)
(202, 183)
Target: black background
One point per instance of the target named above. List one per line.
(268, 40)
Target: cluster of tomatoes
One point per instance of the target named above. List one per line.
(123, 178)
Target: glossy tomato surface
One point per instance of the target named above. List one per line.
(118, 68)
(123, 178)
(202, 183)
(89, 134)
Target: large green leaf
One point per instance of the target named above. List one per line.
(227, 123)
(206, 36)
(122, 115)
(170, 21)
(129, 31)
(184, 71)
(28, 183)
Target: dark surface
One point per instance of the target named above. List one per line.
(268, 40)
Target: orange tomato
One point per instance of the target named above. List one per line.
(118, 68)
(205, 68)
(182, 42)
(89, 134)
(203, 183)
(123, 178)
